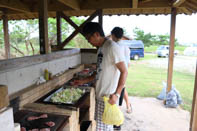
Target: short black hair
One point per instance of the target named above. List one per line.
(91, 28)
(117, 32)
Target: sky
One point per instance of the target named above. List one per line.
(186, 25)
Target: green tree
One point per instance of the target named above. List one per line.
(125, 31)
(21, 35)
(77, 42)
(24, 35)
(146, 38)
(149, 39)
(162, 39)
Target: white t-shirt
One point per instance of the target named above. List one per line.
(126, 52)
(108, 74)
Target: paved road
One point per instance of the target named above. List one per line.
(181, 63)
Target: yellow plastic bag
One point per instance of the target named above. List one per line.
(112, 114)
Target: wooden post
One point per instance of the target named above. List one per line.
(6, 36)
(4, 99)
(100, 17)
(59, 29)
(43, 27)
(193, 119)
(171, 50)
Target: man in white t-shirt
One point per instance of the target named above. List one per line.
(117, 34)
(111, 71)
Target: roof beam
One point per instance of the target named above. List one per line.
(154, 4)
(134, 3)
(74, 4)
(107, 4)
(102, 4)
(69, 21)
(193, 1)
(191, 6)
(186, 10)
(14, 5)
(78, 29)
(178, 3)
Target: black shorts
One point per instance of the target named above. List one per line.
(121, 97)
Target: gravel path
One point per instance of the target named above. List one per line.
(181, 63)
(149, 114)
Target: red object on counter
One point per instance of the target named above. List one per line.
(45, 129)
(23, 129)
(31, 118)
(50, 124)
(34, 130)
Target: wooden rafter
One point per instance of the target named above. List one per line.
(107, 4)
(193, 1)
(53, 6)
(191, 5)
(177, 3)
(102, 4)
(69, 21)
(65, 42)
(74, 4)
(134, 4)
(14, 5)
(188, 12)
(100, 18)
(145, 1)
(59, 29)
(153, 4)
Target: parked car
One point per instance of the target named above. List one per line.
(191, 51)
(136, 48)
(163, 51)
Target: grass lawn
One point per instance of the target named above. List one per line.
(153, 49)
(180, 49)
(146, 81)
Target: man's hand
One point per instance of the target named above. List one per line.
(112, 99)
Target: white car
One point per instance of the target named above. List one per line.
(163, 51)
(190, 51)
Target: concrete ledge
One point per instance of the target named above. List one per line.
(18, 63)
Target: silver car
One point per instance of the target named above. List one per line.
(163, 51)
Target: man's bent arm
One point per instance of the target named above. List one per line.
(123, 75)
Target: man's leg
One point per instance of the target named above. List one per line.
(118, 128)
(128, 104)
(100, 126)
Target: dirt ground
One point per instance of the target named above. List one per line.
(181, 63)
(149, 114)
